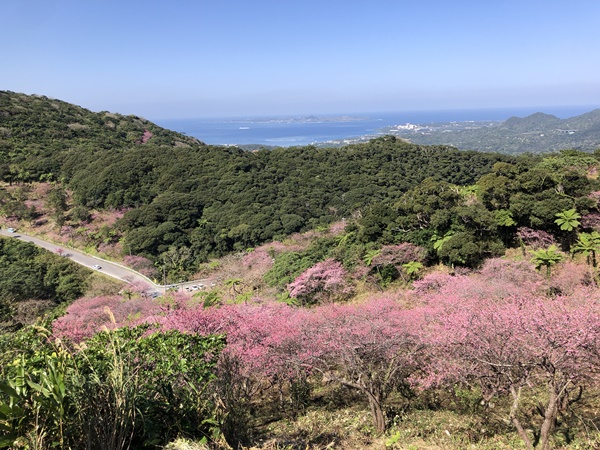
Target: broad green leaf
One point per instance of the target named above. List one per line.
(8, 390)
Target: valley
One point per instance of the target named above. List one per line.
(380, 294)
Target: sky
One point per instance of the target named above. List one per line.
(168, 59)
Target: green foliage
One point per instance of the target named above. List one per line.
(370, 255)
(28, 272)
(536, 133)
(287, 267)
(13, 416)
(210, 200)
(547, 257)
(464, 249)
(284, 297)
(568, 220)
(503, 218)
(188, 202)
(588, 244)
(569, 161)
(209, 299)
(33, 399)
(412, 269)
(439, 241)
(374, 223)
(80, 214)
(127, 387)
(393, 439)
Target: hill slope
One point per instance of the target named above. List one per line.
(36, 132)
(537, 133)
(182, 193)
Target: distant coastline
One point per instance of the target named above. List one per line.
(337, 129)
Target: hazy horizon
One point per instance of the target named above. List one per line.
(296, 130)
(269, 58)
(561, 111)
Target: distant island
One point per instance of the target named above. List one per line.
(303, 119)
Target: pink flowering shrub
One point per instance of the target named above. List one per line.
(431, 283)
(591, 221)
(360, 272)
(66, 231)
(516, 343)
(337, 227)
(504, 278)
(261, 346)
(257, 258)
(505, 328)
(146, 136)
(87, 316)
(570, 279)
(370, 347)
(595, 195)
(535, 238)
(107, 217)
(257, 263)
(136, 288)
(497, 279)
(325, 281)
(141, 265)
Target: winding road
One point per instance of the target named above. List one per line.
(108, 268)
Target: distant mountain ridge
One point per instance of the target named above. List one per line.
(44, 125)
(536, 133)
(531, 122)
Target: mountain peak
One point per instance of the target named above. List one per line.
(535, 120)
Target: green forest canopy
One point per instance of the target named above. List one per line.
(179, 192)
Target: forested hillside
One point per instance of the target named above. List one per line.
(33, 281)
(175, 199)
(179, 192)
(37, 133)
(380, 295)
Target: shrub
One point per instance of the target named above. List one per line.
(323, 282)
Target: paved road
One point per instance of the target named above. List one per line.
(108, 268)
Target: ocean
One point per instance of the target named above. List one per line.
(286, 131)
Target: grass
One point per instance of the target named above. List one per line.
(338, 418)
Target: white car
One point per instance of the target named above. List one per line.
(97, 267)
(11, 230)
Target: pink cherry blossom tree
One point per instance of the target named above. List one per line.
(534, 238)
(371, 347)
(142, 265)
(87, 316)
(508, 346)
(497, 279)
(262, 350)
(324, 282)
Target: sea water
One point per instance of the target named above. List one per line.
(286, 131)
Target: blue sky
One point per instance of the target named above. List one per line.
(165, 59)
